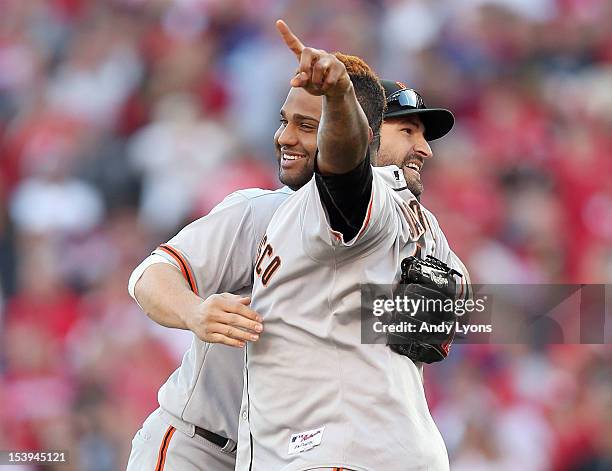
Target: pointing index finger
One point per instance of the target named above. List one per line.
(291, 40)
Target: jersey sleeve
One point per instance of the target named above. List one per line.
(215, 253)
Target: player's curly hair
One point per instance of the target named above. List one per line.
(369, 92)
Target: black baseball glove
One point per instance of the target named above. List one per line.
(424, 328)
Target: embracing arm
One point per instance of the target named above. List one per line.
(185, 283)
(165, 296)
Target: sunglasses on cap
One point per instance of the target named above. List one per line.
(407, 97)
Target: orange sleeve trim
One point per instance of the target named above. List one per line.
(163, 449)
(182, 262)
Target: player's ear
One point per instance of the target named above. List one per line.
(370, 134)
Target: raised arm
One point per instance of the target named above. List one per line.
(343, 134)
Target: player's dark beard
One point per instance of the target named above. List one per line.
(414, 185)
(295, 181)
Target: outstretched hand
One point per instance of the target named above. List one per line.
(319, 72)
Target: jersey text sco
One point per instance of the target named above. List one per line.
(316, 396)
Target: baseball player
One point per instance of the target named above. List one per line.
(404, 142)
(196, 425)
(200, 402)
(314, 396)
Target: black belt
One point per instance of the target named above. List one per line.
(212, 437)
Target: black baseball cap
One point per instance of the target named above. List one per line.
(404, 101)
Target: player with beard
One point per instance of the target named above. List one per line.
(196, 425)
(199, 405)
(408, 127)
(312, 389)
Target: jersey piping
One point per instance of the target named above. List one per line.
(183, 264)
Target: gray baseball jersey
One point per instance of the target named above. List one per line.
(216, 254)
(314, 396)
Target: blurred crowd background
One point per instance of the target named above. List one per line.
(122, 120)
